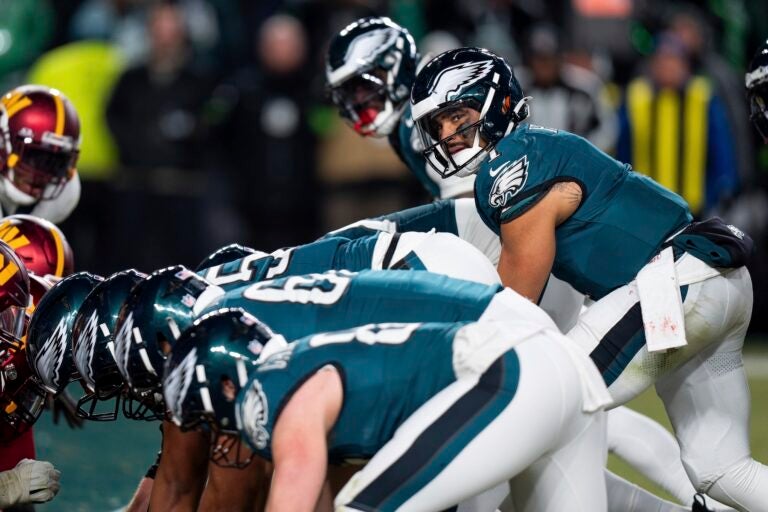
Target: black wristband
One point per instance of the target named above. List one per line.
(151, 472)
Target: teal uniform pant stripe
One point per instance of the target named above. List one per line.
(434, 449)
(621, 343)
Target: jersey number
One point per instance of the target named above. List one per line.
(323, 289)
(279, 264)
(388, 334)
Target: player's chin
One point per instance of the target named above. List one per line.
(456, 148)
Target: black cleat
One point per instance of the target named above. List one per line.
(700, 504)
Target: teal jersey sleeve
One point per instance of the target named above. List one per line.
(439, 215)
(623, 218)
(388, 372)
(304, 259)
(297, 306)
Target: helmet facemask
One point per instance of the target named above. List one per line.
(38, 170)
(371, 65)
(369, 102)
(22, 399)
(439, 152)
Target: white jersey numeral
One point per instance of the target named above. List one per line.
(323, 289)
(389, 334)
(279, 264)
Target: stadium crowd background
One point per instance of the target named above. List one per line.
(206, 121)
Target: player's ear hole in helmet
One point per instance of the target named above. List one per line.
(370, 68)
(464, 102)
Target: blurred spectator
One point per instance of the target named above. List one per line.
(156, 117)
(673, 127)
(697, 36)
(268, 143)
(565, 96)
(121, 22)
(154, 112)
(25, 30)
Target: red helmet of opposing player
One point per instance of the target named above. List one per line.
(41, 246)
(14, 300)
(40, 143)
(21, 396)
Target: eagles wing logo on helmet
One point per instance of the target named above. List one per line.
(50, 357)
(123, 345)
(177, 384)
(365, 47)
(86, 344)
(451, 81)
(510, 180)
(255, 415)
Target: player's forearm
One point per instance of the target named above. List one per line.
(528, 280)
(175, 494)
(296, 488)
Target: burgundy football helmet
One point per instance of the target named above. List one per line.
(14, 300)
(39, 143)
(21, 397)
(41, 246)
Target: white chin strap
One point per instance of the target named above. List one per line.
(12, 195)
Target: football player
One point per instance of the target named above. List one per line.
(423, 401)
(757, 90)
(297, 306)
(39, 146)
(370, 68)
(47, 257)
(21, 398)
(660, 282)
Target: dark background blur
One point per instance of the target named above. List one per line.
(205, 121)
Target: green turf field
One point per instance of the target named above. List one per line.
(102, 463)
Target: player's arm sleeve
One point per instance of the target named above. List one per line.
(438, 215)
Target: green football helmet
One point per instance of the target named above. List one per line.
(211, 362)
(370, 68)
(49, 337)
(93, 345)
(150, 321)
(466, 78)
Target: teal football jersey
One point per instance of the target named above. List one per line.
(333, 253)
(620, 225)
(297, 306)
(389, 371)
